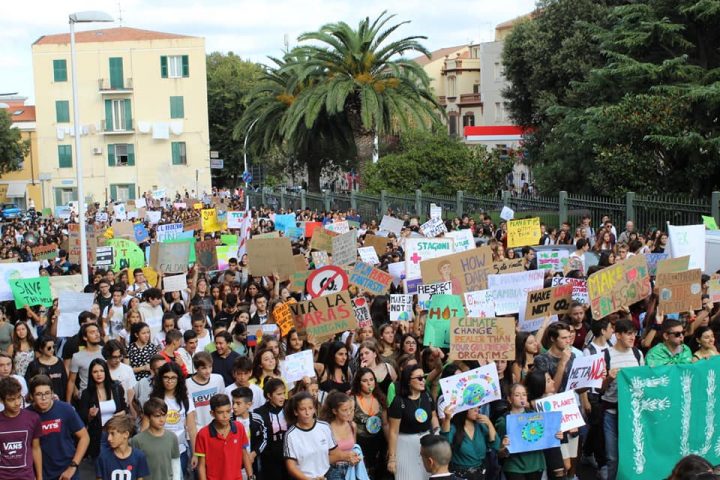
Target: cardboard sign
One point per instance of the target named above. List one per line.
(45, 252)
(673, 265)
(620, 285)
(587, 372)
(344, 248)
(170, 258)
(104, 256)
(714, 288)
(175, 283)
(580, 293)
(283, 316)
(362, 312)
(127, 254)
(688, 240)
(371, 279)
(680, 292)
(653, 259)
(392, 224)
(66, 283)
(523, 232)
(123, 230)
(482, 338)
(510, 290)
(325, 316)
(467, 270)
(320, 259)
(322, 240)
(433, 227)
(74, 248)
(480, 304)
(472, 388)
(31, 291)
(327, 280)
(565, 403)
(529, 432)
(192, 224)
(368, 255)
(379, 244)
(400, 307)
(298, 280)
(462, 240)
(507, 266)
(310, 227)
(298, 366)
(168, 231)
(268, 255)
(555, 260)
(418, 250)
(554, 300)
(206, 255)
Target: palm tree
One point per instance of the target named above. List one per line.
(315, 147)
(360, 74)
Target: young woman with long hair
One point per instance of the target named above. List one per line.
(470, 434)
(21, 350)
(526, 348)
(336, 371)
(369, 354)
(273, 417)
(141, 350)
(265, 365)
(47, 363)
(371, 420)
(338, 411)
(386, 342)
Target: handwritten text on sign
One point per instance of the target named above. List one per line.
(31, 291)
(622, 284)
(523, 232)
(553, 301)
(325, 316)
(587, 372)
(482, 338)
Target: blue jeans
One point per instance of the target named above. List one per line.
(184, 462)
(337, 471)
(610, 428)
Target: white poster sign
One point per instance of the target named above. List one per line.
(688, 240)
(71, 304)
(510, 290)
(463, 239)
(9, 271)
(480, 304)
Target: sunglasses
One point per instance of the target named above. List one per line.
(676, 334)
(419, 379)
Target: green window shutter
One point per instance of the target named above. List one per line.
(108, 116)
(116, 72)
(128, 114)
(163, 67)
(131, 191)
(62, 111)
(113, 192)
(131, 156)
(111, 155)
(175, 153)
(64, 156)
(185, 66)
(58, 197)
(177, 107)
(60, 70)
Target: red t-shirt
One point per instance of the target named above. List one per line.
(223, 456)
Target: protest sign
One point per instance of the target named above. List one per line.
(368, 255)
(66, 283)
(297, 366)
(294, 233)
(63, 212)
(418, 250)
(127, 254)
(377, 243)
(510, 290)
(141, 233)
(688, 240)
(566, 404)
(433, 227)
(325, 316)
(344, 248)
(680, 292)
(192, 224)
(653, 259)
(310, 227)
(298, 280)
(120, 211)
(528, 432)
(480, 304)
(466, 270)
(322, 240)
(104, 256)
(224, 254)
(666, 413)
(672, 265)
(73, 247)
(362, 312)
(206, 255)
(168, 231)
(229, 239)
(101, 217)
(437, 327)
(170, 258)
(320, 259)
(327, 280)
(123, 230)
(179, 205)
(371, 279)
(284, 221)
(587, 372)
(31, 291)
(579, 285)
(440, 288)
(462, 240)
(482, 338)
(153, 216)
(268, 255)
(175, 283)
(392, 224)
(397, 270)
(435, 211)
(507, 266)
(472, 388)
(283, 317)
(191, 240)
(714, 288)
(71, 304)
(507, 213)
(553, 301)
(339, 227)
(620, 285)
(209, 220)
(555, 260)
(235, 219)
(45, 252)
(709, 222)
(523, 232)
(400, 307)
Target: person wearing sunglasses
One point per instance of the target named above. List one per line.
(672, 350)
(47, 363)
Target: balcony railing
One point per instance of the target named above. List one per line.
(118, 129)
(470, 99)
(105, 86)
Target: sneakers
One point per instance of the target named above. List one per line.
(589, 461)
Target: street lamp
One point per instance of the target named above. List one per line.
(81, 17)
(247, 134)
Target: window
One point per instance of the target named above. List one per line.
(499, 72)
(62, 111)
(499, 112)
(451, 86)
(121, 154)
(118, 115)
(179, 153)
(174, 66)
(469, 120)
(63, 196)
(116, 72)
(177, 107)
(60, 70)
(476, 88)
(65, 156)
(122, 192)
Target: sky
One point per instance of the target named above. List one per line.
(252, 29)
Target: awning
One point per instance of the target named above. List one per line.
(16, 190)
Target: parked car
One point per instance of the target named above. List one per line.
(9, 210)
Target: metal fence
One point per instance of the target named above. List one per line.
(647, 212)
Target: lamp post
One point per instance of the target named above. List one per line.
(245, 167)
(81, 17)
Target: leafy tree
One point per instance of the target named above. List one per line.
(229, 79)
(359, 74)
(12, 148)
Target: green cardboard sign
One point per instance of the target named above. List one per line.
(31, 291)
(437, 327)
(710, 223)
(229, 239)
(127, 254)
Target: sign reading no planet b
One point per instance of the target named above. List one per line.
(31, 291)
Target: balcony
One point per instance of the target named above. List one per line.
(468, 99)
(106, 87)
(118, 130)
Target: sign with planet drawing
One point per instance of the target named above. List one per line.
(472, 388)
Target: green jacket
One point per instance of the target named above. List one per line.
(661, 355)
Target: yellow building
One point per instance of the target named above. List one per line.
(22, 187)
(143, 114)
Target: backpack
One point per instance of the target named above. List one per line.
(636, 353)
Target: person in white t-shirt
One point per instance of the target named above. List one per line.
(241, 372)
(202, 386)
(113, 315)
(151, 309)
(186, 352)
(199, 323)
(114, 354)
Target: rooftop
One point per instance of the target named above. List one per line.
(119, 34)
(20, 113)
(437, 54)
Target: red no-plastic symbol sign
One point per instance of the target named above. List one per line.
(327, 280)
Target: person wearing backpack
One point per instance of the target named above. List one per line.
(621, 355)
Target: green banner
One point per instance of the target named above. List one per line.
(31, 291)
(229, 239)
(667, 413)
(191, 240)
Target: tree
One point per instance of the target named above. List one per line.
(229, 80)
(12, 148)
(359, 74)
